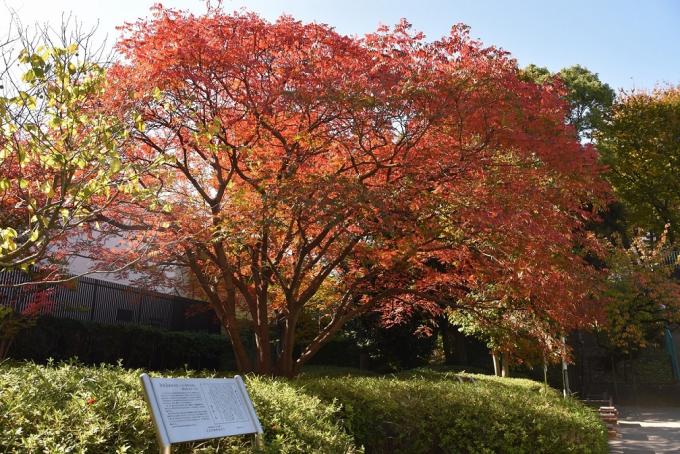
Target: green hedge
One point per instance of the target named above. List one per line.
(158, 349)
(425, 412)
(71, 408)
(133, 345)
(340, 351)
(147, 347)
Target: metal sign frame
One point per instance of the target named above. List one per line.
(162, 433)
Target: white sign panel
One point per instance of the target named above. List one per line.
(187, 409)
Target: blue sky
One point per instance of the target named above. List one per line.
(629, 43)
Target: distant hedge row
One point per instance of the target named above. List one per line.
(146, 347)
(136, 346)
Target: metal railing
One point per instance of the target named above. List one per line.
(94, 300)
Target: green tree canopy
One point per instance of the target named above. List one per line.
(641, 146)
(590, 98)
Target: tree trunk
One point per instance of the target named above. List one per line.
(225, 308)
(285, 365)
(263, 347)
(565, 372)
(243, 363)
(453, 342)
(496, 364)
(321, 339)
(505, 371)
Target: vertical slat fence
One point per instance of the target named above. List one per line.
(88, 299)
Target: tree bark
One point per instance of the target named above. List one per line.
(226, 311)
(496, 364)
(243, 363)
(505, 371)
(285, 364)
(263, 347)
(322, 338)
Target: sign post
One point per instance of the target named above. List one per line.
(190, 409)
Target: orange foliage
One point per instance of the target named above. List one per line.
(374, 171)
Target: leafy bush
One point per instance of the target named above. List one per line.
(11, 324)
(426, 411)
(136, 346)
(146, 347)
(70, 408)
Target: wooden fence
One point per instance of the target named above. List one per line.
(94, 300)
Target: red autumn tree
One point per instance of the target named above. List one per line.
(307, 170)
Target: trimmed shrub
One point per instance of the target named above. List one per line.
(426, 411)
(147, 347)
(71, 408)
(132, 345)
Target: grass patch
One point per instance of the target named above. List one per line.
(73, 408)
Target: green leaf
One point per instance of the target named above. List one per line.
(46, 188)
(29, 76)
(34, 236)
(8, 233)
(139, 122)
(116, 165)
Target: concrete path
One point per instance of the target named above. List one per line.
(647, 430)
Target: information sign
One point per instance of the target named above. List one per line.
(188, 409)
